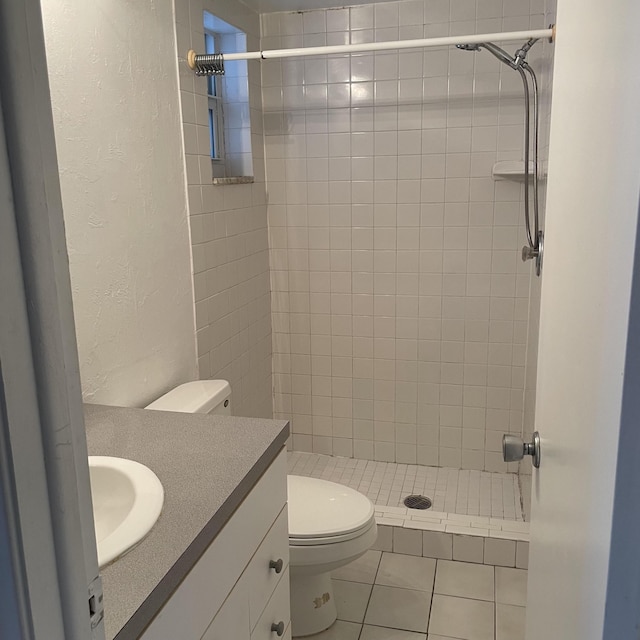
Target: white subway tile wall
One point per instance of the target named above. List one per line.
(399, 301)
(228, 228)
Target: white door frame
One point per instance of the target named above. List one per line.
(28, 549)
(48, 534)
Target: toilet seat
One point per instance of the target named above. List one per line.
(323, 512)
(330, 554)
(322, 540)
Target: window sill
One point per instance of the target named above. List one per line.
(234, 180)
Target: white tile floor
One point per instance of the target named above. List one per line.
(389, 596)
(472, 493)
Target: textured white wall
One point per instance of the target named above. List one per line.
(114, 87)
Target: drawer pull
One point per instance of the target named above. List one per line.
(276, 565)
(278, 629)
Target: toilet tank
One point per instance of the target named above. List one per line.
(200, 396)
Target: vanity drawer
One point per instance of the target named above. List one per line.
(263, 579)
(193, 605)
(277, 611)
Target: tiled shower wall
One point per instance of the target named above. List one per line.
(228, 227)
(400, 305)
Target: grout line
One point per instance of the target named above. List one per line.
(433, 593)
(495, 603)
(366, 609)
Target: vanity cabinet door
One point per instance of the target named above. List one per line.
(232, 621)
(268, 565)
(191, 608)
(276, 614)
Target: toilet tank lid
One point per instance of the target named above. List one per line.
(200, 396)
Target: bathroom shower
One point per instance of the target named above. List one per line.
(415, 332)
(535, 237)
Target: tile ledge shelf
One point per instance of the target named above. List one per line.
(234, 180)
(514, 170)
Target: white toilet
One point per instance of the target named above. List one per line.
(330, 525)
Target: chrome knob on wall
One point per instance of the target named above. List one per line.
(515, 449)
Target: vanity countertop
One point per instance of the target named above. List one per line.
(207, 465)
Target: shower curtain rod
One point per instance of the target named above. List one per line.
(213, 64)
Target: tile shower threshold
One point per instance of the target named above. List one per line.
(481, 494)
(450, 536)
(452, 523)
(469, 537)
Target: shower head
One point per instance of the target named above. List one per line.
(494, 49)
(499, 53)
(515, 63)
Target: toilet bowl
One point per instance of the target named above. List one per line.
(330, 525)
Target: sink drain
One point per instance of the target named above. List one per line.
(417, 502)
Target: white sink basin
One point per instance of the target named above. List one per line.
(127, 501)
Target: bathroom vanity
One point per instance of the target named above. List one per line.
(216, 564)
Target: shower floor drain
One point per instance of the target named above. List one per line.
(417, 502)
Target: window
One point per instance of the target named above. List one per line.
(214, 93)
(229, 111)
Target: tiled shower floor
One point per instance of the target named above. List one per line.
(472, 493)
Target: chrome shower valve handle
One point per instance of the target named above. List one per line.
(515, 449)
